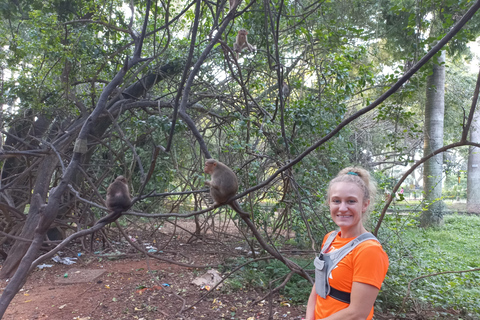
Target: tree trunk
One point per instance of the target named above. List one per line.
(19, 248)
(432, 170)
(473, 169)
(48, 165)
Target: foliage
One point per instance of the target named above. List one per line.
(417, 252)
(266, 275)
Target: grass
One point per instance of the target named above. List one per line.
(416, 252)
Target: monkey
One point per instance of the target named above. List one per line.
(223, 185)
(234, 4)
(118, 199)
(241, 43)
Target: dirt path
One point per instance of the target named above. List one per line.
(61, 293)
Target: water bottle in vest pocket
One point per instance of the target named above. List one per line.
(321, 278)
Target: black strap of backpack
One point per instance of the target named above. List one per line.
(339, 295)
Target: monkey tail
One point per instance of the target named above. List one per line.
(111, 217)
(236, 206)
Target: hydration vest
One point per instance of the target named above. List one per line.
(325, 263)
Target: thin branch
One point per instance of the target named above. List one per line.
(374, 104)
(153, 162)
(467, 126)
(185, 73)
(275, 290)
(92, 204)
(103, 23)
(132, 147)
(66, 241)
(279, 67)
(14, 237)
(139, 41)
(14, 154)
(226, 277)
(406, 174)
(188, 85)
(168, 194)
(133, 244)
(432, 275)
(60, 160)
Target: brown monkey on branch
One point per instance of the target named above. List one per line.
(223, 186)
(241, 43)
(118, 199)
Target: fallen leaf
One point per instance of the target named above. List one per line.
(141, 291)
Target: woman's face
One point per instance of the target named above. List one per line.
(347, 206)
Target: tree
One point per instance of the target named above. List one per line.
(473, 171)
(433, 168)
(417, 27)
(434, 122)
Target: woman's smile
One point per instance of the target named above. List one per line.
(347, 207)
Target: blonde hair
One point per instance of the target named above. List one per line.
(361, 178)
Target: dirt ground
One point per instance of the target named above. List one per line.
(115, 281)
(116, 294)
(124, 284)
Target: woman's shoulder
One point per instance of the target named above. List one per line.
(370, 247)
(327, 235)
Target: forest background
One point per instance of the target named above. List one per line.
(150, 89)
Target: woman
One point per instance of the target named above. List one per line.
(349, 286)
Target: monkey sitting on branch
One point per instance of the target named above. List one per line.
(118, 199)
(223, 185)
(241, 43)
